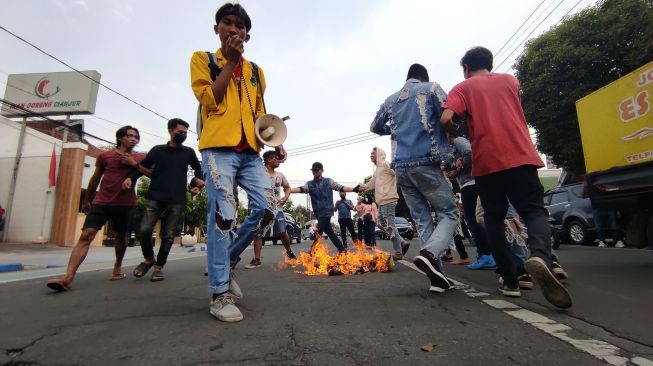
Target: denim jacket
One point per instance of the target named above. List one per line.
(412, 118)
(321, 195)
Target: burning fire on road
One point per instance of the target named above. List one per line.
(362, 259)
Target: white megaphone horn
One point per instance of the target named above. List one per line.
(271, 130)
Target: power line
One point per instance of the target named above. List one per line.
(570, 10)
(504, 45)
(561, 19)
(334, 147)
(81, 73)
(324, 142)
(529, 34)
(527, 28)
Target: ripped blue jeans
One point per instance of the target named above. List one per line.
(223, 246)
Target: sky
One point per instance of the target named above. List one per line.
(327, 64)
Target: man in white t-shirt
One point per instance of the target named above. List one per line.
(272, 194)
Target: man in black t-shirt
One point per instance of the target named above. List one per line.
(166, 196)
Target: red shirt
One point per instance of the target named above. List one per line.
(113, 174)
(495, 119)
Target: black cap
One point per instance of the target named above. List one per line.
(317, 166)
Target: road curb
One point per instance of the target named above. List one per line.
(11, 267)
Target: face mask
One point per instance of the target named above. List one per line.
(179, 138)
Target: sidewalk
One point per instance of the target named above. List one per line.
(43, 260)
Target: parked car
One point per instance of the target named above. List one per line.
(570, 214)
(306, 231)
(292, 227)
(404, 227)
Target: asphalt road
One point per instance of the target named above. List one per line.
(370, 319)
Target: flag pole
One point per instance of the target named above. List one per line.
(51, 183)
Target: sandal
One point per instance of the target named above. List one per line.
(58, 284)
(142, 269)
(157, 274)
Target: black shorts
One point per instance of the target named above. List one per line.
(119, 216)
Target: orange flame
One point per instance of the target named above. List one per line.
(362, 259)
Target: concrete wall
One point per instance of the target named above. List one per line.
(31, 198)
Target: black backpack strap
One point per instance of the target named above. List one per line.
(215, 71)
(213, 65)
(257, 76)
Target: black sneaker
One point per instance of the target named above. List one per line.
(525, 282)
(560, 272)
(255, 263)
(290, 255)
(427, 263)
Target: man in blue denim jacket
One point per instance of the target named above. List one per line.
(411, 116)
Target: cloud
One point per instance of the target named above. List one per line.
(82, 3)
(125, 14)
(57, 3)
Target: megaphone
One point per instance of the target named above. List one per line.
(271, 130)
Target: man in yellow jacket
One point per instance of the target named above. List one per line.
(230, 93)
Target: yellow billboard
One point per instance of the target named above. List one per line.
(616, 122)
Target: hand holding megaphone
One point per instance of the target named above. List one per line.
(271, 130)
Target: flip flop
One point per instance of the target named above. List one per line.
(57, 284)
(117, 277)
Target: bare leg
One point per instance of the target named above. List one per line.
(78, 254)
(120, 248)
(285, 239)
(258, 244)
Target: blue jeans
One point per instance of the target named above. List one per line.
(425, 187)
(387, 219)
(221, 169)
(606, 224)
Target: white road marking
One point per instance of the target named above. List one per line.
(500, 304)
(605, 351)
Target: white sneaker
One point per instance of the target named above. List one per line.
(234, 289)
(224, 309)
(619, 244)
(602, 244)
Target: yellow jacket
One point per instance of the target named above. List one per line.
(223, 123)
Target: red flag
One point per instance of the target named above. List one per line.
(52, 175)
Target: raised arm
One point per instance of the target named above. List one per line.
(302, 189)
(340, 188)
(379, 125)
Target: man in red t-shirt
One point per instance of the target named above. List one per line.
(504, 165)
(112, 202)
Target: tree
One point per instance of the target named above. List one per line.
(584, 53)
(196, 210)
(369, 192)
